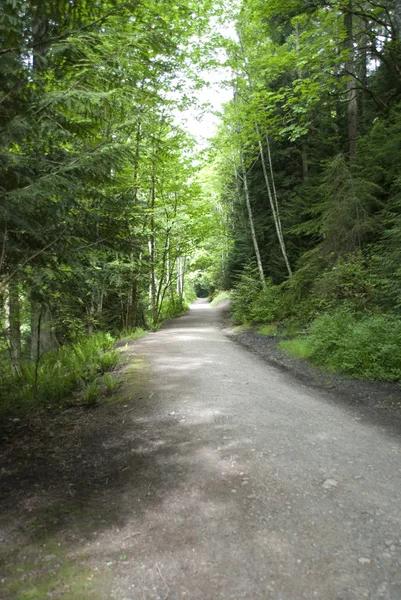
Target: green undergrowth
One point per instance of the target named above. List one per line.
(220, 297)
(343, 341)
(132, 334)
(299, 347)
(269, 330)
(73, 373)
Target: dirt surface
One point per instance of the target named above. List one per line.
(210, 474)
(379, 400)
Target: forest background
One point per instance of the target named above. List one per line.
(112, 219)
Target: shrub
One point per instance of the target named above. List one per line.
(108, 361)
(348, 281)
(244, 295)
(57, 374)
(91, 393)
(264, 307)
(368, 347)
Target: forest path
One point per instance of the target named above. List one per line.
(211, 474)
(257, 487)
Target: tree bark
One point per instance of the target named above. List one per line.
(304, 155)
(397, 18)
(152, 250)
(352, 106)
(274, 210)
(42, 334)
(14, 324)
(251, 222)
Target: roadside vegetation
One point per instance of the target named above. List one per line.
(306, 167)
(345, 323)
(72, 374)
(101, 207)
(220, 297)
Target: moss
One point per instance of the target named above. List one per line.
(221, 296)
(133, 379)
(270, 330)
(39, 571)
(299, 347)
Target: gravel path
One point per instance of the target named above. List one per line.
(379, 401)
(224, 477)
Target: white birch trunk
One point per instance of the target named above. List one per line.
(251, 222)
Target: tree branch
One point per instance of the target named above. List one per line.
(67, 34)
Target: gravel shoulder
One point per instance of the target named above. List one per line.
(378, 400)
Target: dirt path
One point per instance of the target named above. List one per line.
(212, 475)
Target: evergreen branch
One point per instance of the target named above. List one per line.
(67, 34)
(3, 249)
(74, 85)
(68, 167)
(382, 105)
(25, 262)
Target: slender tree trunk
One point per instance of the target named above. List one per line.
(14, 324)
(304, 155)
(397, 18)
(363, 73)
(91, 317)
(352, 106)
(181, 261)
(274, 206)
(42, 335)
(251, 222)
(136, 162)
(152, 250)
(180, 278)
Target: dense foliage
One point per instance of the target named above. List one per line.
(100, 208)
(308, 159)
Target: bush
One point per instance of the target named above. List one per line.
(57, 374)
(251, 303)
(368, 347)
(265, 306)
(348, 281)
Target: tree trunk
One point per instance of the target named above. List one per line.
(91, 318)
(180, 278)
(14, 324)
(304, 155)
(352, 106)
(363, 73)
(136, 162)
(42, 335)
(274, 209)
(397, 18)
(251, 222)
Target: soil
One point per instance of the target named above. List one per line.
(209, 474)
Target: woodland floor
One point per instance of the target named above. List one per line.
(211, 473)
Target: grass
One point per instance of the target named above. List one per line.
(298, 347)
(132, 334)
(342, 341)
(220, 297)
(270, 330)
